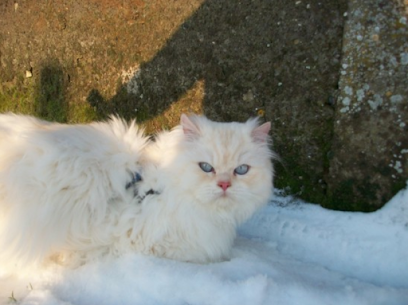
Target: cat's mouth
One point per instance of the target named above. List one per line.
(224, 194)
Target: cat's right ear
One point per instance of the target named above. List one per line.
(190, 129)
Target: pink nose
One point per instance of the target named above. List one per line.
(224, 185)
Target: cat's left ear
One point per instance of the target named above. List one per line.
(261, 133)
(190, 129)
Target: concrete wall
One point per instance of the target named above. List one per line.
(369, 155)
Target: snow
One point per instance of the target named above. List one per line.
(290, 252)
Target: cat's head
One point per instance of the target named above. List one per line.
(225, 167)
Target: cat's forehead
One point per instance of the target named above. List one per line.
(226, 131)
(227, 136)
(227, 144)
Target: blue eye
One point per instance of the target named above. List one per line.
(206, 167)
(242, 169)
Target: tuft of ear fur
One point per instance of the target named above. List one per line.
(190, 129)
(261, 133)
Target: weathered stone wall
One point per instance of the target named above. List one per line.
(331, 78)
(369, 155)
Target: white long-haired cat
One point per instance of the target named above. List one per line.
(212, 177)
(76, 192)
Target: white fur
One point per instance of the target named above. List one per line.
(62, 187)
(63, 194)
(192, 219)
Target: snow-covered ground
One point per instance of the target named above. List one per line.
(290, 252)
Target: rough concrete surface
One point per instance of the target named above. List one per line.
(370, 146)
(286, 61)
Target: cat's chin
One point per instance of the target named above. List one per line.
(224, 200)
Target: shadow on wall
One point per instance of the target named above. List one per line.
(277, 58)
(247, 52)
(50, 102)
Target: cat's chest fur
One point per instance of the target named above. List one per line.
(183, 230)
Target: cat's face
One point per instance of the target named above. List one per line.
(225, 166)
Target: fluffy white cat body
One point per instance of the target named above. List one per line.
(66, 191)
(62, 187)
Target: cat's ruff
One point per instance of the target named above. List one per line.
(78, 192)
